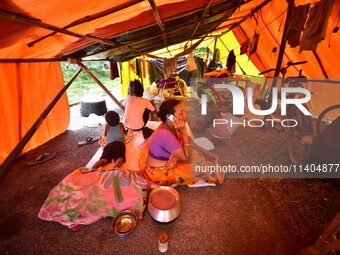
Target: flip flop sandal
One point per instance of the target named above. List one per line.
(88, 140)
(42, 158)
(85, 170)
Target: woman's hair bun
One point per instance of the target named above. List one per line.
(167, 107)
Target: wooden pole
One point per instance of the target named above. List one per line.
(329, 231)
(16, 151)
(320, 64)
(90, 18)
(33, 22)
(158, 20)
(199, 22)
(281, 51)
(283, 40)
(100, 84)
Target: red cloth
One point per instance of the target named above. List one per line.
(114, 73)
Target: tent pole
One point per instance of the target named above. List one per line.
(16, 151)
(158, 20)
(281, 51)
(283, 40)
(100, 84)
(33, 22)
(320, 64)
(201, 19)
(90, 18)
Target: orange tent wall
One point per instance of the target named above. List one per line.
(270, 27)
(26, 90)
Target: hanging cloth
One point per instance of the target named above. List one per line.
(170, 65)
(244, 47)
(231, 62)
(114, 73)
(296, 24)
(254, 43)
(143, 61)
(138, 67)
(190, 65)
(316, 26)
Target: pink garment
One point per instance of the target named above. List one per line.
(81, 199)
(191, 64)
(134, 110)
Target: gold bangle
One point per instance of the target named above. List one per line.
(186, 144)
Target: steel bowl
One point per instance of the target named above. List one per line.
(124, 223)
(164, 204)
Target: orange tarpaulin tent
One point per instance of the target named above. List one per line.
(48, 31)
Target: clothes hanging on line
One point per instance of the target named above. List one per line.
(316, 26)
(244, 47)
(231, 62)
(114, 72)
(296, 24)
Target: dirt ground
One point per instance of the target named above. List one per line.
(236, 217)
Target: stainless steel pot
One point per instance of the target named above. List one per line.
(124, 223)
(164, 204)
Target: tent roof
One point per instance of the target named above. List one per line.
(119, 30)
(123, 29)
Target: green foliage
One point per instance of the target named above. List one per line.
(84, 84)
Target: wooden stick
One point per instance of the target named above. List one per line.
(199, 22)
(100, 84)
(329, 231)
(320, 64)
(158, 20)
(90, 18)
(19, 147)
(181, 15)
(33, 22)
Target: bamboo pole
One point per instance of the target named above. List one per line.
(33, 22)
(181, 15)
(320, 64)
(100, 84)
(329, 231)
(158, 20)
(283, 40)
(90, 18)
(199, 22)
(19, 147)
(281, 51)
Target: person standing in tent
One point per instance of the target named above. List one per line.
(165, 157)
(137, 110)
(115, 147)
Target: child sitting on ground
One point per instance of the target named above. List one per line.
(115, 147)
